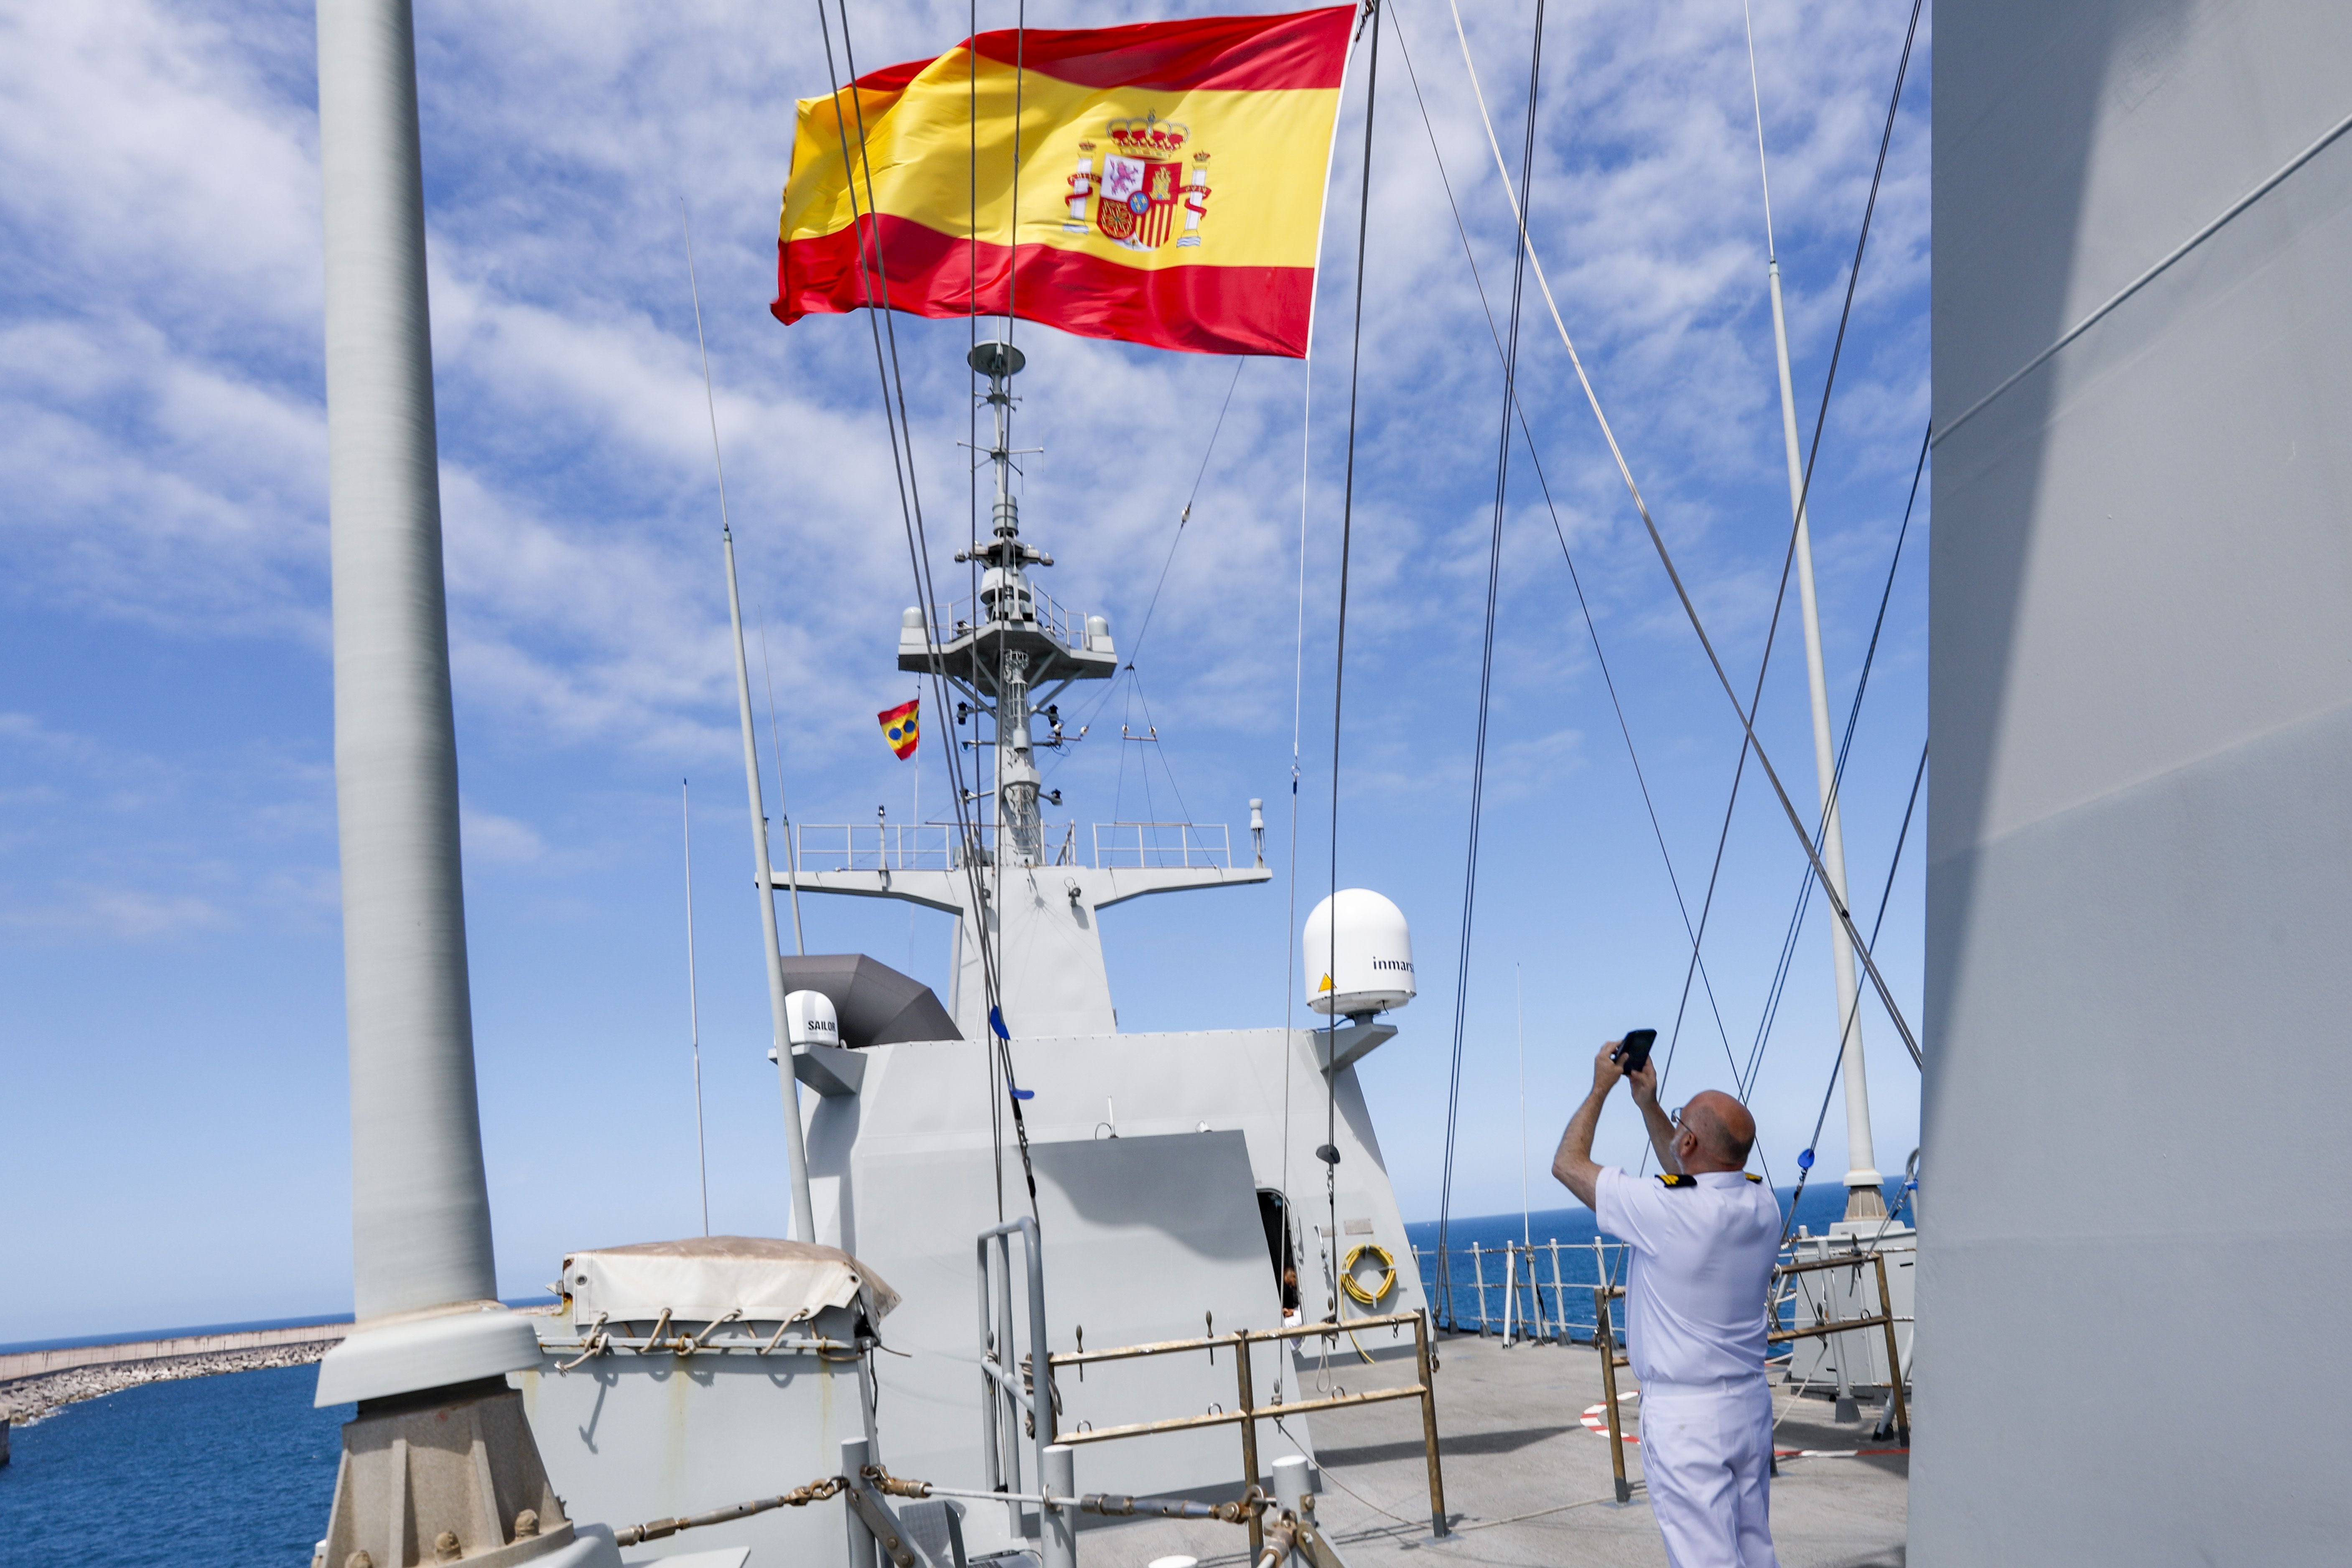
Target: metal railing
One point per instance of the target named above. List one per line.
(952, 620)
(1544, 1292)
(1012, 1390)
(1541, 1293)
(1138, 846)
(1248, 1412)
(883, 846)
(874, 846)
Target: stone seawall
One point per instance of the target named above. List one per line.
(33, 1399)
(38, 1383)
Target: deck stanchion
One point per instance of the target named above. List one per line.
(1558, 1299)
(1604, 1335)
(1894, 1357)
(1478, 1274)
(1429, 1425)
(1248, 1405)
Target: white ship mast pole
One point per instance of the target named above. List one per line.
(1864, 1199)
(795, 1152)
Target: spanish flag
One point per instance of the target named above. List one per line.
(1170, 182)
(902, 727)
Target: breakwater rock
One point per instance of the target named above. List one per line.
(32, 1399)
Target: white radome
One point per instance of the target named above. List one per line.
(809, 1019)
(1366, 966)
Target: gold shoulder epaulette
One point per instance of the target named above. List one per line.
(1754, 1177)
(1676, 1181)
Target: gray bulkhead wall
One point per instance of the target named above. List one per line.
(2136, 1261)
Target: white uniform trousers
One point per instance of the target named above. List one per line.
(1706, 1457)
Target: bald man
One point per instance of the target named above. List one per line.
(1703, 1236)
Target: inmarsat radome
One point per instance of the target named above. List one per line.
(1363, 967)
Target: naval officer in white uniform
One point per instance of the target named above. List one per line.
(1703, 1236)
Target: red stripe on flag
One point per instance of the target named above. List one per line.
(1303, 49)
(1193, 308)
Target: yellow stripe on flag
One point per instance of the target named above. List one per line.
(1267, 152)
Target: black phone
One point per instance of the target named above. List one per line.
(1632, 1053)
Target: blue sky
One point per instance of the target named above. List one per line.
(170, 954)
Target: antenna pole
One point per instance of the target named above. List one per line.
(795, 1150)
(1526, 1220)
(1864, 1198)
(693, 1007)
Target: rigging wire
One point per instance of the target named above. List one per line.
(1805, 1163)
(1837, 775)
(1592, 631)
(1293, 944)
(1175, 538)
(1665, 557)
(1330, 1153)
(1186, 515)
(1804, 493)
(901, 429)
(1486, 655)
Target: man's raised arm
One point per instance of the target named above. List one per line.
(1573, 1166)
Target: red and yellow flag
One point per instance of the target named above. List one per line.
(1170, 182)
(902, 727)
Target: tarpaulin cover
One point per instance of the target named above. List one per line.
(705, 1278)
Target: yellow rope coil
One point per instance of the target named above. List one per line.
(1355, 1288)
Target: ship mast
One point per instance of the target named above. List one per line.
(1007, 605)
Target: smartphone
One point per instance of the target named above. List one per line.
(1632, 1052)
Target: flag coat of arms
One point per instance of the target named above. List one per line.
(1170, 182)
(902, 727)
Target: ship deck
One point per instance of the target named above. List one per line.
(1527, 1482)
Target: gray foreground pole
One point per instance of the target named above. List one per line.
(1057, 1527)
(431, 1341)
(420, 1206)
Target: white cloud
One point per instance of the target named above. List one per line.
(123, 914)
(501, 840)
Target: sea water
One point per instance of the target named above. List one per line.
(234, 1470)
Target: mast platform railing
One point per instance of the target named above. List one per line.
(934, 845)
(1142, 846)
(952, 620)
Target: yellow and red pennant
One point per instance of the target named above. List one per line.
(1170, 180)
(902, 727)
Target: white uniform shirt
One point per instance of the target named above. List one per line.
(1702, 1260)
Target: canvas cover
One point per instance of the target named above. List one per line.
(705, 1278)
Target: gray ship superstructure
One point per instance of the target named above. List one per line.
(1173, 1177)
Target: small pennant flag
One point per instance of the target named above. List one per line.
(902, 727)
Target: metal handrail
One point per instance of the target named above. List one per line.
(1003, 1397)
(1247, 1412)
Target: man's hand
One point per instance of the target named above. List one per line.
(1606, 1072)
(1645, 1081)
